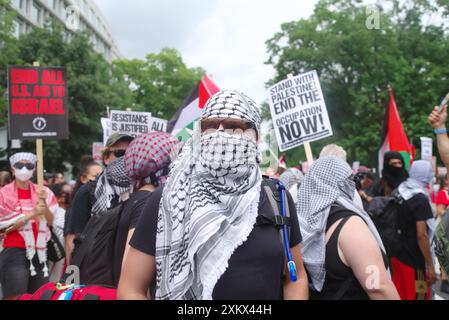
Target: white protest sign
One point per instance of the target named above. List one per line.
(158, 124)
(426, 149)
(356, 166)
(130, 123)
(106, 124)
(97, 149)
(299, 111)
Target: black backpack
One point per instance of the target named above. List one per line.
(384, 212)
(94, 248)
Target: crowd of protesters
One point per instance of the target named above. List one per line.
(200, 220)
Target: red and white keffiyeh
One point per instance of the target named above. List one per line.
(12, 209)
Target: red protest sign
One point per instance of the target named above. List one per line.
(38, 107)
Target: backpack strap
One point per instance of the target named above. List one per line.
(274, 198)
(87, 240)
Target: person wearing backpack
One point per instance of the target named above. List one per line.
(105, 192)
(212, 231)
(413, 267)
(342, 250)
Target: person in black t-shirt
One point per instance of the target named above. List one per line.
(147, 160)
(81, 209)
(89, 171)
(413, 268)
(198, 237)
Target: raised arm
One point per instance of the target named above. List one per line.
(438, 122)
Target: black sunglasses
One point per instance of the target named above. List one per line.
(116, 153)
(228, 124)
(20, 166)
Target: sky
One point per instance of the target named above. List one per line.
(225, 37)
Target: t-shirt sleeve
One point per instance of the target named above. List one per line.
(79, 212)
(295, 231)
(420, 208)
(442, 198)
(144, 237)
(137, 210)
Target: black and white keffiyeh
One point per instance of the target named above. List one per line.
(209, 204)
(326, 183)
(113, 183)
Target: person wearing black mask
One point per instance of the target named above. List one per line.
(393, 174)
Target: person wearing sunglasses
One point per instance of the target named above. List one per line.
(116, 147)
(96, 195)
(198, 237)
(25, 216)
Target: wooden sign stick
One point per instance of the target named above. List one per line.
(40, 159)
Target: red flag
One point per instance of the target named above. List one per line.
(393, 136)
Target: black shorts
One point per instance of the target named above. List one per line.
(15, 274)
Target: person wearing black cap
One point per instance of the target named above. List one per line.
(116, 147)
(86, 197)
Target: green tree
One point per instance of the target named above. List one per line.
(160, 83)
(93, 86)
(8, 52)
(356, 63)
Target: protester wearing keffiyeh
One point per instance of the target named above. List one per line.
(326, 183)
(148, 157)
(210, 203)
(12, 209)
(420, 176)
(112, 185)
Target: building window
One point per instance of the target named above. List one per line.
(20, 4)
(54, 5)
(85, 7)
(16, 29)
(36, 13)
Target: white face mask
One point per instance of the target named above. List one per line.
(23, 174)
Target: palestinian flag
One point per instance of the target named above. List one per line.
(393, 135)
(181, 125)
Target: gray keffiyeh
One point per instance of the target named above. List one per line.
(209, 205)
(326, 183)
(420, 175)
(113, 183)
(291, 177)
